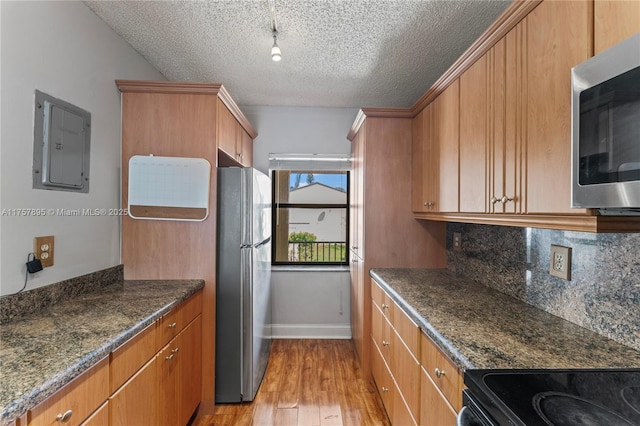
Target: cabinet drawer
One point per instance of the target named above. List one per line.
(381, 332)
(175, 320)
(191, 308)
(434, 410)
(442, 371)
(383, 379)
(128, 358)
(382, 299)
(405, 369)
(81, 397)
(408, 331)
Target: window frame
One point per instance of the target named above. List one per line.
(274, 217)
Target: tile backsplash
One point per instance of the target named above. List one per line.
(603, 294)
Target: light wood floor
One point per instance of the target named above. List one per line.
(308, 383)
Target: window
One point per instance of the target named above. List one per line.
(310, 216)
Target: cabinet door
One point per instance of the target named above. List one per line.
(226, 130)
(245, 147)
(473, 138)
(434, 408)
(446, 134)
(136, 402)
(190, 359)
(614, 20)
(558, 38)
(168, 384)
(506, 100)
(424, 162)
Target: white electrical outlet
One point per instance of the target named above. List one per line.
(560, 265)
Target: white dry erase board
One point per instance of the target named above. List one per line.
(169, 188)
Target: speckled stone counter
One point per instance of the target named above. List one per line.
(43, 351)
(479, 327)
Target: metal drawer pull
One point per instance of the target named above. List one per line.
(439, 373)
(385, 306)
(64, 418)
(385, 343)
(385, 389)
(173, 351)
(169, 358)
(172, 325)
(505, 199)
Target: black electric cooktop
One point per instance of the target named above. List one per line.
(608, 397)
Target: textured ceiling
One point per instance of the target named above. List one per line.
(336, 53)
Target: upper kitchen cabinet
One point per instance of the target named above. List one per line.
(514, 120)
(435, 154)
(177, 120)
(382, 228)
(234, 141)
(473, 138)
(558, 37)
(614, 21)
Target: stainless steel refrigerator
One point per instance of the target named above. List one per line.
(243, 297)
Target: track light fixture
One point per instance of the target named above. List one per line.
(276, 54)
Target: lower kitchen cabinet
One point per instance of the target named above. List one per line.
(441, 384)
(418, 383)
(434, 408)
(136, 402)
(148, 380)
(76, 401)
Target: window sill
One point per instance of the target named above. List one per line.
(310, 268)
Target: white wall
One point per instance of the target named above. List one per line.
(312, 303)
(64, 50)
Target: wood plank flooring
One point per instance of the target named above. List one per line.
(308, 382)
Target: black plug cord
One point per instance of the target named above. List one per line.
(26, 276)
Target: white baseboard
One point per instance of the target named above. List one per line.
(310, 331)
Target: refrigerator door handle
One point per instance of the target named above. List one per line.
(260, 244)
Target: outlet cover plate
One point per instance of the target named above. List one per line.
(560, 262)
(43, 248)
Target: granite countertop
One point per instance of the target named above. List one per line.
(479, 327)
(43, 351)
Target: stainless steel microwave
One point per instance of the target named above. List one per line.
(605, 127)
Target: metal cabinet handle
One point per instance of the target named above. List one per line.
(172, 325)
(384, 306)
(385, 343)
(64, 417)
(175, 351)
(385, 389)
(505, 199)
(429, 204)
(439, 373)
(494, 200)
(169, 358)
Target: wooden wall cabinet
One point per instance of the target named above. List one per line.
(558, 36)
(514, 117)
(234, 141)
(435, 154)
(382, 228)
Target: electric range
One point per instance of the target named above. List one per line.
(556, 397)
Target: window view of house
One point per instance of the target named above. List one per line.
(310, 216)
